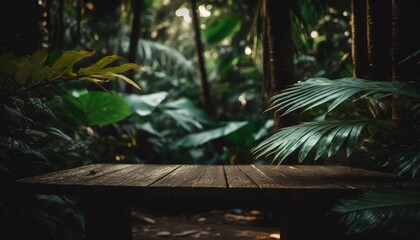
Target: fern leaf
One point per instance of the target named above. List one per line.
(327, 138)
(391, 208)
(317, 91)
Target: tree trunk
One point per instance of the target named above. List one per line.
(378, 16)
(57, 27)
(359, 39)
(280, 52)
(405, 41)
(134, 38)
(77, 32)
(205, 87)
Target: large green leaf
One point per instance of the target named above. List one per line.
(222, 28)
(144, 105)
(197, 139)
(393, 209)
(187, 114)
(93, 108)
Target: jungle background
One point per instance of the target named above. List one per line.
(206, 70)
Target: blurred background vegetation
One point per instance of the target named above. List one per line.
(203, 74)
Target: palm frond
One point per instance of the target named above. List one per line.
(326, 138)
(403, 160)
(394, 209)
(157, 57)
(317, 91)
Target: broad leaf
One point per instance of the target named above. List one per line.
(187, 114)
(144, 105)
(222, 28)
(197, 139)
(93, 108)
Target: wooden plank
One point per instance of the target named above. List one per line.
(260, 178)
(63, 174)
(237, 179)
(136, 175)
(76, 176)
(308, 177)
(353, 178)
(197, 176)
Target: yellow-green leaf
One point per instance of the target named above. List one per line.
(10, 67)
(99, 65)
(121, 68)
(42, 74)
(65, 63)
(128, 80)
(25, 69)
(39, 58)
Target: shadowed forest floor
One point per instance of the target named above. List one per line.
(232, 224)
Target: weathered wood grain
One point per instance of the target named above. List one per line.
(77, 175)
(237, 179)
(262, 179)
(136, 175)
(350, 178)
(197, 176)
(197, 185)
(297, 178)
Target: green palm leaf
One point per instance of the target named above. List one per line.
(326, 138)
(159, 58)
(402, 159)
(317, 91)
(394, 209)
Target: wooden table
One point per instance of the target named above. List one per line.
(109, 190)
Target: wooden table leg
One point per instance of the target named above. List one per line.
(302, 220)
(107, 219)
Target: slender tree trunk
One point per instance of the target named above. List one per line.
(266, 69)
(396, 23)
(280, 52)
(77, 33)
(359, 39)
(134, 37)
(57, 33)
(405, 40)
(205, 87)
(378, 16)
(404, 43)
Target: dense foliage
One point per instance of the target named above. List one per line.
(94, 119)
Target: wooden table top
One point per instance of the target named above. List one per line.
(192, 186)
(148, 176)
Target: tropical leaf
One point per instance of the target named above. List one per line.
(26, 72)
(197, 139)
(144, 105)
(326, 138)
(65, 62)
(393, 208)
(222, 28)
(157, 57)
(99, 65)
(317, 91)
(92, 109)
(187, 114)
(401, 159)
